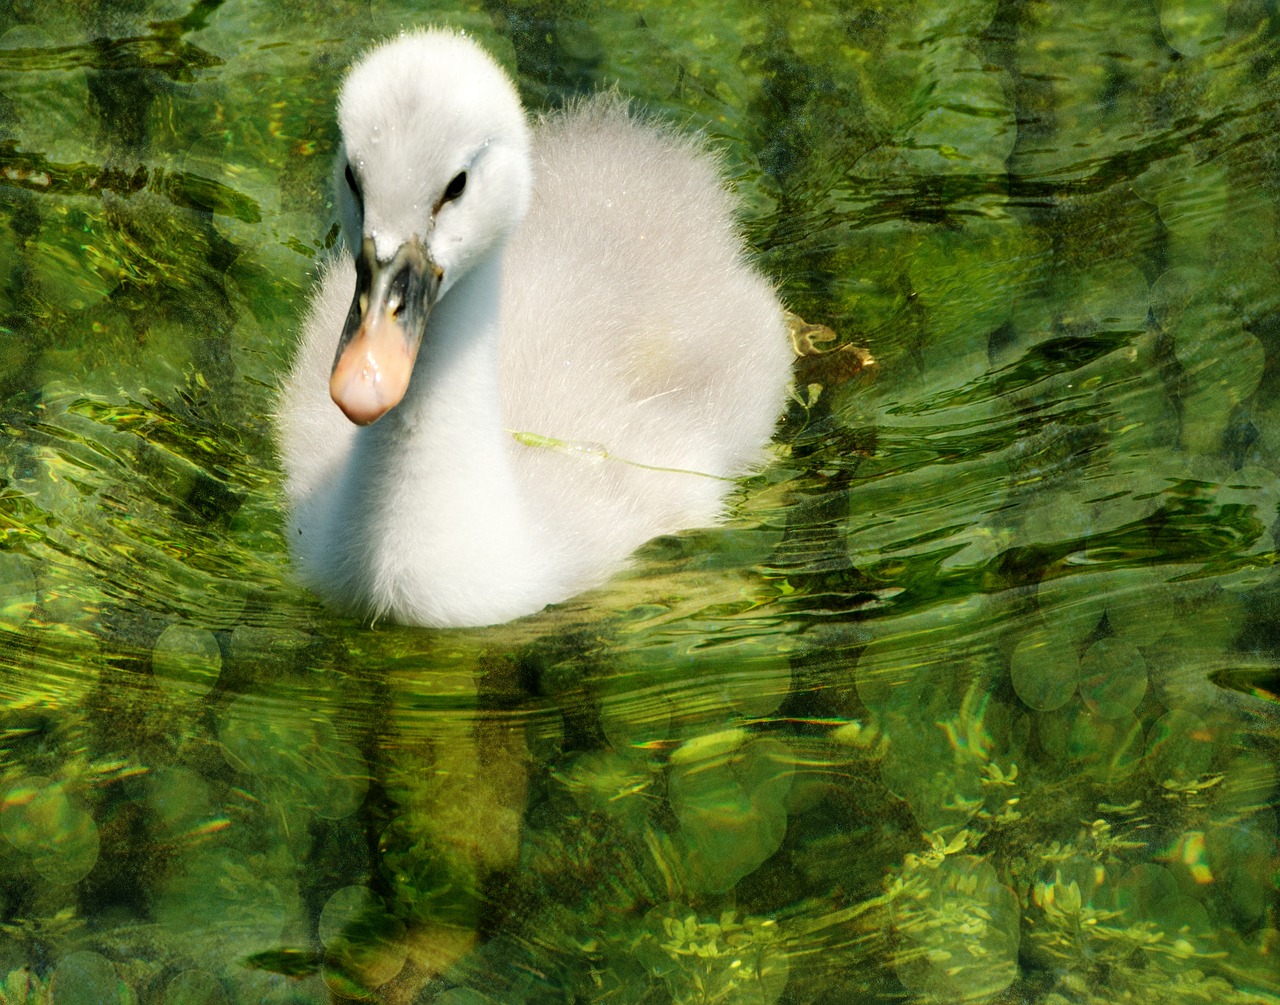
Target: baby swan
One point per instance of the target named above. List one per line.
(549, 347)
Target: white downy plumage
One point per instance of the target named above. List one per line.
(578, 289)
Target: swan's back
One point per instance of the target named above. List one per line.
(633, 321)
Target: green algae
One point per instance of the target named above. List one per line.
(946, 714)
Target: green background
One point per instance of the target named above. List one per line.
(974, 698)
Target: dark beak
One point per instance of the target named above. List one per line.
(384, 329)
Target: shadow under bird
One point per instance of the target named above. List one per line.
(505, 295)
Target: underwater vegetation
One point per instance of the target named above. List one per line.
(973, 700)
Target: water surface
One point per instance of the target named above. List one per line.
(974, 699)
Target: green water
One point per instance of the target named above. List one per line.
(975, 699)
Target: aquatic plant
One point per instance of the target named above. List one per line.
(973, 701)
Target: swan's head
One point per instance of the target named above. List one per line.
(433, 175)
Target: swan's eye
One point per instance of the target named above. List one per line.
(455, 187)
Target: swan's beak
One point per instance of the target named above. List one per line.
(383, 331)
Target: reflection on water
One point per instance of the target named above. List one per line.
(974, 700)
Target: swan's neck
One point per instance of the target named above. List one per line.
(451, 539)
(454, 391)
